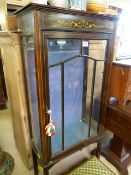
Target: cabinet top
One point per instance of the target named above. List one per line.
(41, 7)
(124, 62)
(122, 108)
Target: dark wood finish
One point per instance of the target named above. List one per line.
(47, 8)
(75, 148)
(2, 97)
(118, 153)
(41, 93)
(118, 120)
(32, 20)
(76, 22)
(121, 73)
(13, 7)
(35, 163)
(117, 114)
(118, 147)
(3, 93)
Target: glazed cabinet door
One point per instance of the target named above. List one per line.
(74, 83)
(73, 69)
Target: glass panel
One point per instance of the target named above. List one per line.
(59, 50)
(97, 50)
(32, 87)
(70, 85)
(55, 105)
(75, 128)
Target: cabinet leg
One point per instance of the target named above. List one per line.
(97, 150)
(36, 172)
(46, 172)
(118, 154)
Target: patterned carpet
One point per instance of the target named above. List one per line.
(92, 167)
(6, 163)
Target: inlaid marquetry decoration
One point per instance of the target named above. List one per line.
(80, 24)
(71, 22)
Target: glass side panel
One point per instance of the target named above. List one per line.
(32, 86)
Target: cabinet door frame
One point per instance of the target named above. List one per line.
(44, 76)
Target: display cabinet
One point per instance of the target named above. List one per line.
(67, 55)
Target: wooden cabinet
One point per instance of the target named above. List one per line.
(62, 76)
(120, 83)
(118, 115)
(118, 121)
(14, 79)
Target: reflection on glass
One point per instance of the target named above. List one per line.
(75, 128)
(97, 50)
(61, 49)
(55, 105)
(58, 50)
(32, 87)
(72, 80)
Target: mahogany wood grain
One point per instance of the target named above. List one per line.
(118, 153)
(120, 83)
(118, 120)
(32, 21)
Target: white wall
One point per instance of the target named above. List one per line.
(121, 3)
